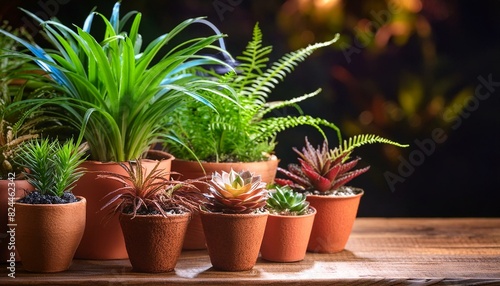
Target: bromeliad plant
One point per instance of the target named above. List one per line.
(323, 171)
(236, 193)
(121, 91)
(150, 192)
(284, 201)
(243, 132)
(53, 169)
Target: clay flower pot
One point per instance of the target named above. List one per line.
(19, 188)
(233, 240)
(47, 235)
(103, 237)
(154, 242)
(195, 237)
(286, 237)
(333, 223)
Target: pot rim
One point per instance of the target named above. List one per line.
(169, 158)
(295, 216)
(208, 213)
(360, 193)
(82, 199)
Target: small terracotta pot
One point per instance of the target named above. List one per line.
(7, 189)
(103, 237)
(154, 242)
(233, 240)
(333, 223)
(195, 238)
(286, 237)
(48, 235)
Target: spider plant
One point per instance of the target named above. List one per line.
(246, 131)
(118, 89)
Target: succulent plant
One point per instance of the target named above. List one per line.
(150, 192)
(324, 171)
(236, 192)
(284, 201)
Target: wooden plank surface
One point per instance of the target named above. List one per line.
(394, 251)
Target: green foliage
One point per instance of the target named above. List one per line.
(150, 192)
(348, 145)
(245, 131)
(53, 166)
(17, 84)
(118, 90)
(284, 201)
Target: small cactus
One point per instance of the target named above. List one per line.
(285, 201)
(236, 192)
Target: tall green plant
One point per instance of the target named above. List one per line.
(121, 91)
(245, 131)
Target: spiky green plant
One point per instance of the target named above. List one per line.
(236, 192)
(245, 131)
(324, 171)
(119, 90)
(150, 192)
(54, 167)
(284, 201)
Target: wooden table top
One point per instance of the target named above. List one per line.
(392, 251)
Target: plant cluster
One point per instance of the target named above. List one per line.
(18, 83)
(53, 168)
(236, 193)
(121, 91)
(150, 192)
(283, 200)
(324, 171)
(245, 131)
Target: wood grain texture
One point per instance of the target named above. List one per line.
(395, 251)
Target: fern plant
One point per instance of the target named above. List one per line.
(245, 131)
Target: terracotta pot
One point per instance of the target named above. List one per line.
(333, 223)
(103, 237)
(17, 190)
(195, 238)
(286, 237)
(47, 235)
(154, 242)
(233, 240)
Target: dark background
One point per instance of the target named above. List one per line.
(403, 70)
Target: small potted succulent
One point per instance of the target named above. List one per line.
(50, 220)
(153, 212)
(288, 226)
(234, 219)
(322, 175)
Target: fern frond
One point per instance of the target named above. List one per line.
(359, 140)
(269, 127)
(270, 106)
(281, 68)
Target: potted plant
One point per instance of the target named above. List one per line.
(239, 136)
(288, 225)
(16, 84)
(121, 92)
(322, 175)
(154, 213)
(234, 219)
(50, 219)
